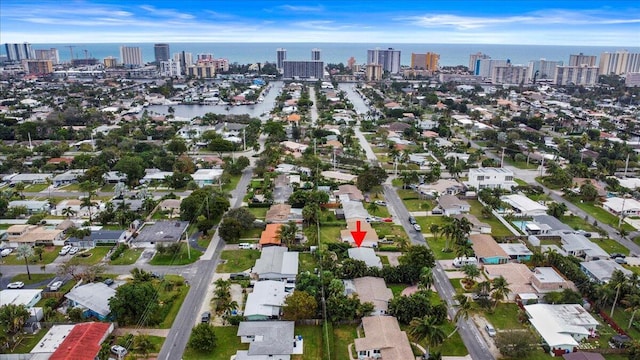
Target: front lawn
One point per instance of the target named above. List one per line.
(308, 262)
(36, 187)
(176, 297)
(578, 223)
(600, 214)
(258, 212)
(181, 258)
(128, 257)
(313, 344)
(35, 278)
(48, 256)
(231, 185)
(383, 229)
(611, 246)
(237, 260)
(504, 317)
(452, 346)
(343, 335)
(412, 201)
(228, 342)
(92, 256)
(396, 289)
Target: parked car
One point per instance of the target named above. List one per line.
(5, 252)
(490, 330)
(55, 286)
(617, 255)
(380, 202)
(108, 282)
(15, 285)
(65, 250)
(238, 276)
(74, 250)
(245, 246)
(620, 260)
(417, 227)
(206, 317)
(119, 350)
(412, 220)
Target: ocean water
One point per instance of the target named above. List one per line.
(246, 53)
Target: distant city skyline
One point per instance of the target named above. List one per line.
(588, 23)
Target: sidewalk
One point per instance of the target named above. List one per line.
(135, 331)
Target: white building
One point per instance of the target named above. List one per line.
(618, 206)
(170, 68)
(131, 56)
(524, 206)
(491, 178)
(204, 177)
(576, 75)
(265, 301)
(561, 326)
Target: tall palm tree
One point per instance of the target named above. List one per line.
(426, 328)
(632, 302)
(87, 203)
(287, 232)
(19, 187)
(68, 212)
(143, 345)
(500, 288)
(434, 229)
(470, 272)
(448, 230)
(372, 207)
(426, 279)
(463, 312)
(25, 252)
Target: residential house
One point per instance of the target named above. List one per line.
(372, 290)
(338, 176)
(34, 235)
(351, 191)
(622, 206)
(277, 263)
(271, 235)
(27, 297)
(601, 271)
(34, 178)
(546, 224)
(170, 207)
(524, 206)
(114, 177)
(32, 206)
(383, 339)
(365, 254)
(160, 232)
(477, 226)
(517, 251)
(83, 342)
(99, 237)
(282, 189)
(518, 276)
(265, 301)
(578, 245)
(487, 249)
(561, 326)
(273, 340)
(578, 182)
(204, 177)
(353, 209)
(68, 177)
(491, 178)
(294, 146)
(92, 298)
(282, 214)
(547, 279)
(451, 205)
(371, 236)
(155, 175)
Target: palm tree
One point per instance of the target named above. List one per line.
(20, 186)
(372, 207)
(426, 279)
(87, 203)
(500, 288)
(68, 212)
(143, 345)
(25, 252)
(470, 273)
(434, 229)
(426, 328)
(463, 312)
(39, 250)
(448, 230)
(287, 232)
(632, 302)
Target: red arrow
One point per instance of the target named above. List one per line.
(358, 236)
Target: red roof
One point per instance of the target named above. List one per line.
(83, 342)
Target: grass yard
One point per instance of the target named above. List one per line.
(253, 233)
(72, 187)
(36, 187)
(520, 182)
(504, 317)
(436, 244)
(457, 285)
(181, 258)
(228, 344)
(412, 201)
(381, 211)
(178, 295)
(259, 213)
(522, 164)
(396, 289)
(578, 223)
(231, 185)
(49, 255)
(497, 228)
(35, 278)
(28, 342)
(203, 241)
(621, 318)
(237, 260)
(452, 346)
(384, 259)
(600, 214)
(308, 262)
(330, 233)
(611, 246)
(92, 256)
(312, 342)
(113, 227)
(343, 335)
(128, 257)
(384, 229)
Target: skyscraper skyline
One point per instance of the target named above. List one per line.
(131, 56)
(161, 52)
(389, 59)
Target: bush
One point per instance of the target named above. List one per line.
(119, 250)
(36, 219)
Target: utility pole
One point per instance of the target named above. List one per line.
(626, 166)
(502, 158)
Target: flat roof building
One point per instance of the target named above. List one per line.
(277, 263)
(164, 232)
(365, 254)
(562, 326)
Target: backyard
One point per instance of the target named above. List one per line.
(313, 343)
(497, 228)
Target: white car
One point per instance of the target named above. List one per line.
(417, 227)
(74, 250)
(5, 252)
(119, 350)
(55, 286)
(15, 285)
(245, 246)
(65, 250)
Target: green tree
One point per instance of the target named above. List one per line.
(136, 303)
(588, 192)
(205, 201)
(203, 338)
(68, 212)
(299, 305)
(372, 207)
(230, 229)
(38, 251)
(75, 314)
(427, 328)
(13, 317)
(426, 279)
(556, 209)
(142, 345)
(370, 178)
(243, 215)
(515, 343)
(177, 146)
(133, 166)
(470, 273)
(25, 252)
(500, 288)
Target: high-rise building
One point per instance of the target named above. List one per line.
(315, 54)
(281, 56)
(582, 59)
(39, 67)
(542, 69)
(170, 68)
(19, 52)
(632, 79)
(388, 58)
(202, 70)
(185, 59)
(373, 72)
(110, 62)
(204, 57)
(484, 67)
(48, 54)
(619, 62)
(428, 61)
(131, 56)
(576, 75)
(473, 60)
(509, 74)
(304, 69)
(161, 52)
(351, 63)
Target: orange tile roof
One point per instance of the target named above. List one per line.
(83, 342)
(293, 117)
(270, 235)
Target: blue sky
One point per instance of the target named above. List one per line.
(586, 22)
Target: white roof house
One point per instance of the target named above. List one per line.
(602, 270)
(523, 205)
(365, 254)
(265, 301)
(370, 289)
(561, 326)
(31, 205)
(268, 340)
(491, 178)
(578, 245)
(624, 206)
(94, 297)
(338, 176)
(204, 177)
(26, 297)
(277, 263)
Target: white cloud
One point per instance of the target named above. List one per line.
(302, 8)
